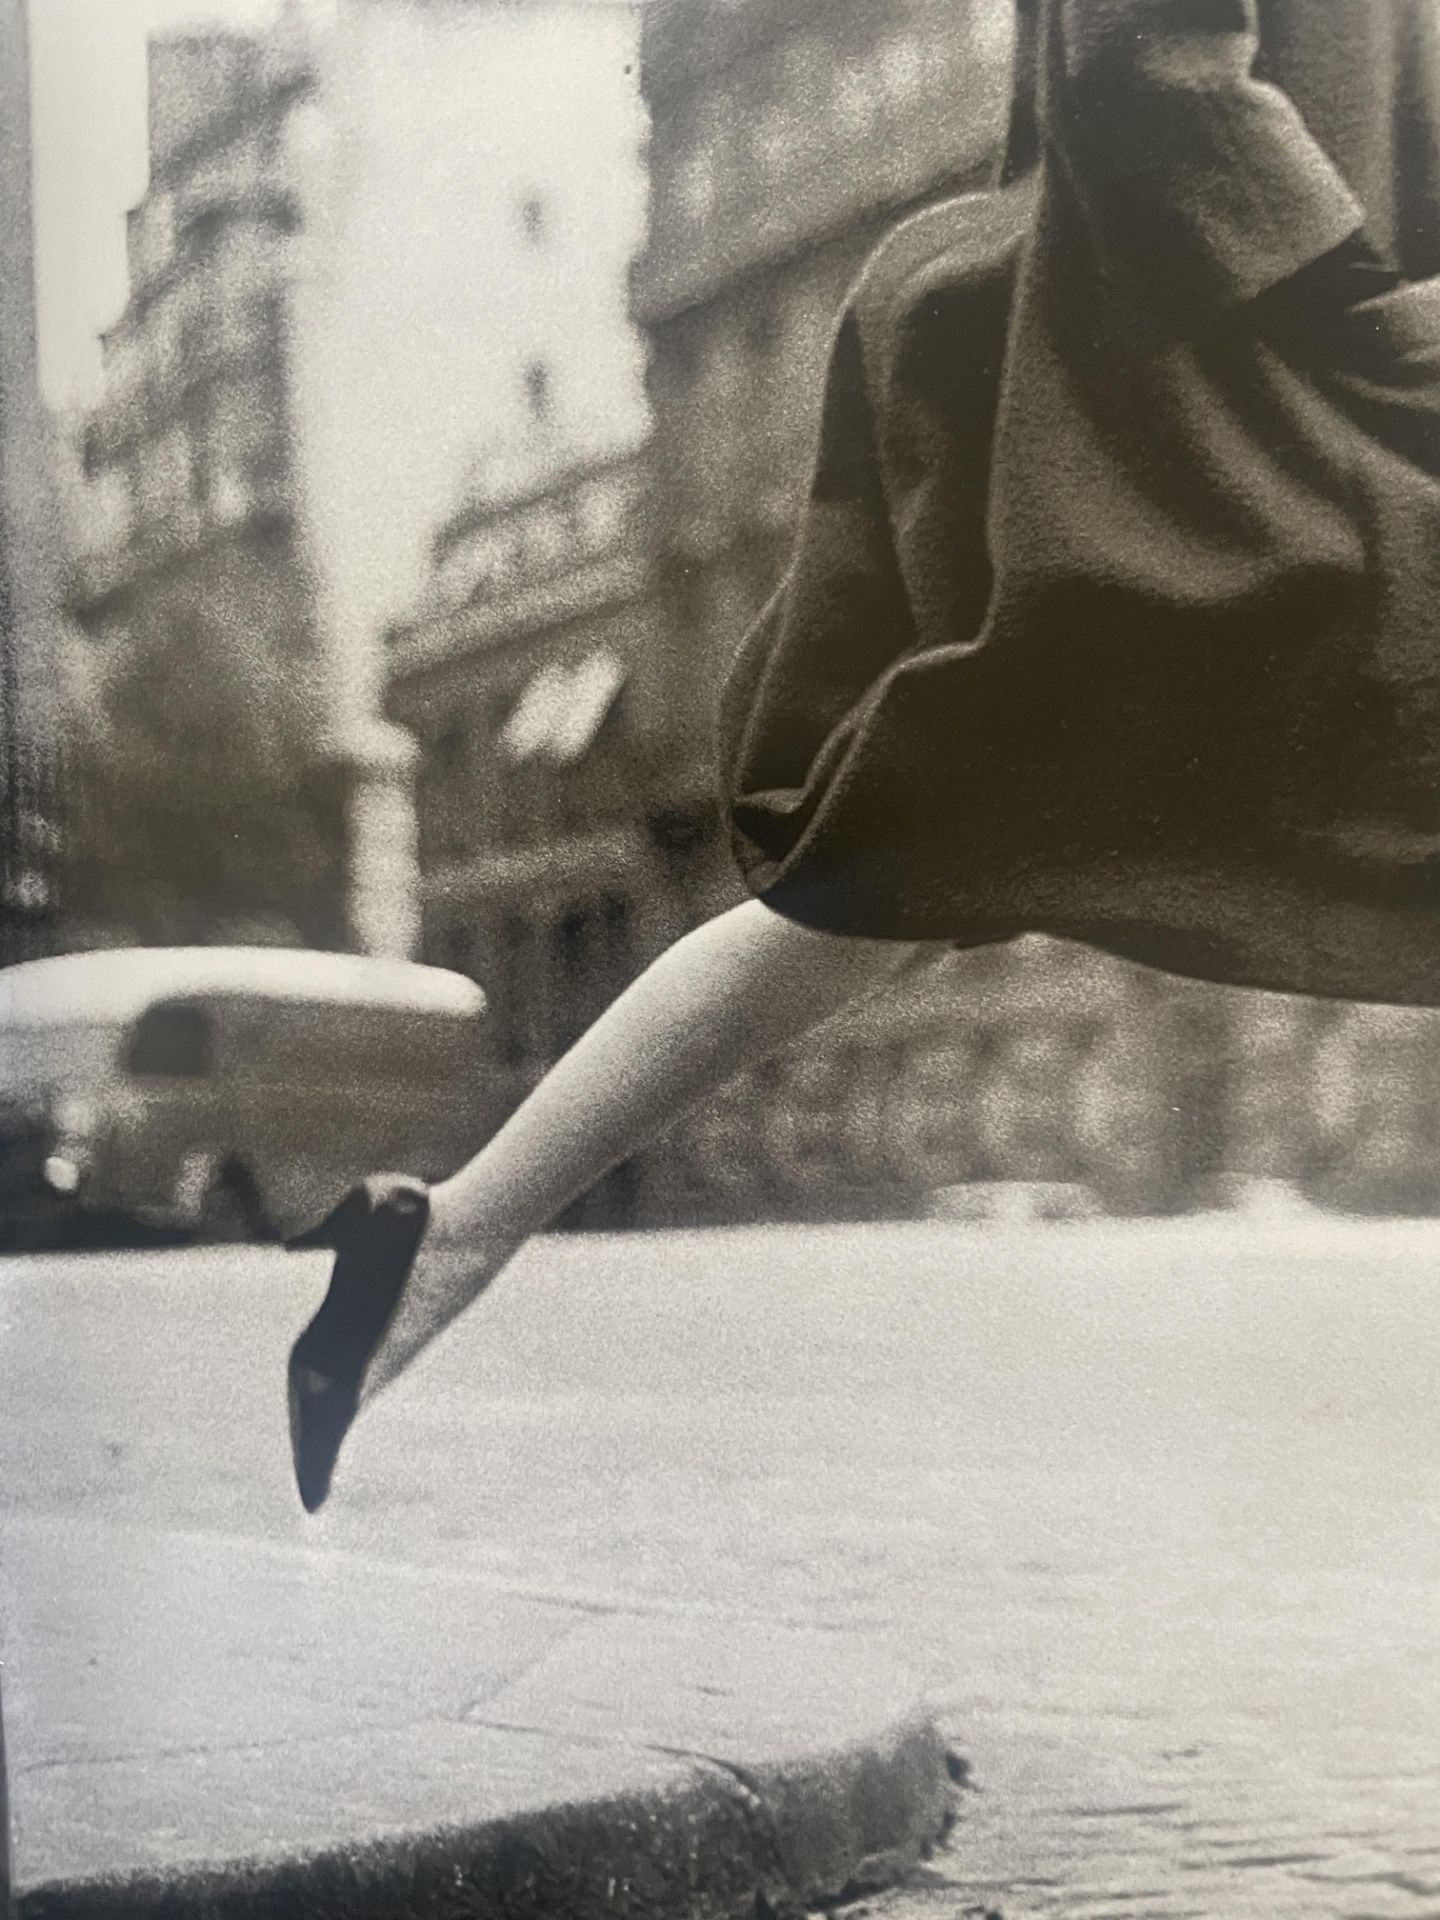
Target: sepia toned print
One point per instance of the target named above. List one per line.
(758, 678)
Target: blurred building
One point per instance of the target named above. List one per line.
(368, 242)
(29, 552)
(189, 528)
(527, 677)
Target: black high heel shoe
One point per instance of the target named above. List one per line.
(374, 1233)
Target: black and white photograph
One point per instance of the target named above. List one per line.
(719, 959)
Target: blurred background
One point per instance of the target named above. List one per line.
(405, 407)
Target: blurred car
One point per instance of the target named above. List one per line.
(223, 1093)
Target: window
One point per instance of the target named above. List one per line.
(679, 358)
(257, 422)
(201, 416)
(284, 213)
(571, 980)
(203, 479)
(172, 1040)
(195, 339)
(570, 940)
(589, 961)
(203, 230)
(539, 396)
(512, 1003)
(274, 326)
(449, 753)
(615, 909)
(449, 784)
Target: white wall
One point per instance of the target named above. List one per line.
(420, 299)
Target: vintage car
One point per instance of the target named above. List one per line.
(224, 1093)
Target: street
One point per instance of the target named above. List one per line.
(1152, 1511)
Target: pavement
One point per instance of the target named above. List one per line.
(219, 1705)
(648, 1590)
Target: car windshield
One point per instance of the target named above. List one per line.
(173, 1041)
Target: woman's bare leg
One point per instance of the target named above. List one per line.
(722, 998)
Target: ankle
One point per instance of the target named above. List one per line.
(460, 1216)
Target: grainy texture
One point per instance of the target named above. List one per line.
(1153, 1512)
(1111, 611)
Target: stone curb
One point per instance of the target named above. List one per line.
(722, 1843)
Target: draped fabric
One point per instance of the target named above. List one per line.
(1114, 609)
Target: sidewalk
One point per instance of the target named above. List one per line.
(216, 1704)
(1148, 1516)
(381, 1737)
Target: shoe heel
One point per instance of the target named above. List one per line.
(373, 1233)
(330, 1231)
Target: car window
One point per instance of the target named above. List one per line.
(173, 1040)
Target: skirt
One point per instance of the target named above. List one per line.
(1107, 620)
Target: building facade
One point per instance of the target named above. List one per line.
(29, 554)
(191, 569)
(356, 273)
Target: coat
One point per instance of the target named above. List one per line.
(1114, 608)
